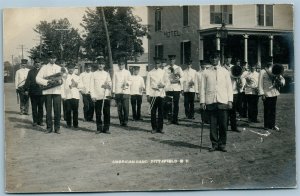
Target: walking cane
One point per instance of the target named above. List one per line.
(202, 125)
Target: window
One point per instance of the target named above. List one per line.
(185, 51)
(185, 14)
(159, 51)
(220, 14)
(264, 15)
(157, 19)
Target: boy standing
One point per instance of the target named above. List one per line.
(100, 88)
(136, 92)
(70, 93)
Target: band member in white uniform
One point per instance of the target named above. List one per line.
(155, 91)
(20, 79)
(136, 93)
(216, 97)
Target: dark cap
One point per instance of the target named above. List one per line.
(171, 56)
(24, 61)
(51, 54)
(157, 59)
(215, 54)
(100, 60)
(189, 61)
(135, 67)
(163, 60)
(87, 65)
(70, 65)
(37, 60)
(121, 60)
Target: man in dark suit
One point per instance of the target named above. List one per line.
(35, 94)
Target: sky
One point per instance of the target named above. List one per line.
(18, 25)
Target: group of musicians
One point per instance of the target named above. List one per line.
(223, 90)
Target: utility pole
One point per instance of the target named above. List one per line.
(108, 42)
(13, 68)
(61, 40)
(40, 48)
(22, 48)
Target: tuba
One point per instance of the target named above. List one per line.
(55, 80)
(236, 72)
(277, 71)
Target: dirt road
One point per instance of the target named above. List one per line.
(83, 161)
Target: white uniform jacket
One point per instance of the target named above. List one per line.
(155, 77)
(20, 77)
(216, 86)
(190, 80)
(178, 73)
(48, 70)
(120, 78)
(71, 92)
(99, 78)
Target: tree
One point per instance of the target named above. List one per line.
(125, 30)
(59, 37)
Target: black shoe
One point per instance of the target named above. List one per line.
(106, 132)
(212, 149)
(222, 149)
(34, 124)
(160, 131)
(57, 131)
(49, 131)
(41, 124)
(236, 130)
(98, 132)
(175, 123)
(153, 131)
(68, 126)
(256, 121)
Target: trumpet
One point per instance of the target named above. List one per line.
(174, 76)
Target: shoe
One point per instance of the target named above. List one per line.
(57, 131)
(153, 131)
(212, 149)
(168, 123)
(266, 128)
(106, 132)
(25, 113)
(276, 128)
(160, 131)
(48, 131)
(256, 121)
(222, 149)
(236, 130)
(21, 113)
(98, 132)
(41, 124)
(68, 126)
(175, 123)
(34, 124)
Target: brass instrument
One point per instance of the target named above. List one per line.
(55, 80)
(236, 72)
(277, 71)
(174, 75)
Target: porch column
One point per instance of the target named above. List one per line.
(271, 46)
(246, 47)
(258, 52)
(201, 55)
(218, 43)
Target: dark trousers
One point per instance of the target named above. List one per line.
(64, 109)
(106, 115)
(189, 98)
(242, 105)
(218, 127)
(173, 111)
(270, 112)
(24, 102)
(88, 107)
(53, 100)
(122, 101)
(37, 102)
(136, 102)
(157, 108)
(232, 112)
(72, 110)
(252, 101)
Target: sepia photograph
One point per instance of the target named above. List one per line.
(149, 98)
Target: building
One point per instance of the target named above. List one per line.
(251, 32)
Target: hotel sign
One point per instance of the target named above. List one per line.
(172, 33)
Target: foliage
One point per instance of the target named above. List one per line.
(125, 32)
(63, 43)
